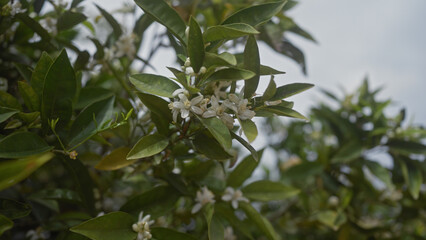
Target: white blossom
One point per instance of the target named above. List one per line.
(239, 106)
(189, 71)
(217, 109)
(204, 197)
(202, 70)
(217, 88)
(229, 234)
(50, 25)
(125, 46)
(38, 234)
(142, 227)
(234, 196)
(185, 106)
(13, 8)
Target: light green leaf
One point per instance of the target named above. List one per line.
(331, 218)
(215, 227)
(22, 144)
(290, 90)
(167, 16)
(243, 171)
(380, 172)
(14, 171)
(39, 73)
(6, 113)
(270, 90)
(160, 233)
(283, 111)
(111, 226)
(30, 97)
(348, 152)
(59, 91)
(195, 45)
(5, 224)
(69, 19)
(227, 32)
(219, 131)
(229, 74)
(116, 28)
(252, 63)
(223, 59)
(154, 84)
(9, 101)
(255, 15)
(266, 190)
(84, 126)
(13, 209)
(148, 146)
(412, 176)
(266, 70)
(115, 160)
(261, 222)
(249, 129)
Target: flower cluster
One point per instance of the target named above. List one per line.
(190, 71)
(234, 196)
(12, 8)
(204, 197)
(142, 227)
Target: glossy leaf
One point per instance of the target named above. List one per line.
(39, 73)
(13, 209)
(167, 16)
(69, 19)
(227, 32)
(249, 129)
(22, 144)
(261, 222)
(195, 45)
(266, 190)
(111, 226)
(5, 224)
(116, 28)
(14, 171)
(219, 131)
(161, 114)
(252, 63)
(223, 59)
(6, 113)
(160, 233)
(115, 160)
(30, 97)
(290, 90)
(243, 171)
(154, 84)
(91, 120)
(229, 74)
(255, 15)
(90, 95)
(148, 146)
(59, 91)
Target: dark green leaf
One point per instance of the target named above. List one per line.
(6, 113)
(148, 146)
(167, 16)
(210, 147)
(90, 95)
(115, 160)
(215, 227)
(283, 111)
(58, 194)
(261, 222)
(13, 209)
(5, 224)
(154, 84)
(348, 152)
(219, 131)
(69, 19)
(266, 190)
(290, 90)
(412, 176)
(227, 32)
(406, 147)
(195, 45)
(266, 70)
(34, 25)
(246, 145)
(255, 15)
(160, 233)
(380, 172)
(14, 171)
(91, 120)
(229, 74)
(243, 171)
(303, 171)
(223, 59)
(24, 70)
(111, 226)
(30, 97)
(9, 101)
(252, 63)
(116, 28)
(39, 73)
(22, 144)
(270, 90)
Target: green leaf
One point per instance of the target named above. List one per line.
(24, 70)
(266, 70)
(111, 226)
(261, 222)
(154, 84)
(148, 146)
(58, 194)
(303, 171)
(215, 227)
(225, 211)
(59, 91)
(30, 97)
(380, 172)
(223, 59)
(34, 25)
(5, 224)
(69, 19)
(348, 152)
(406, 147)
(14, 171)
(266, 190)
(229, 74)
(116, 28)
(252, 63)
(115, 160)
(412, 176)
(165, 15)
(210, 147)
(219, 131)
(156, 202)
(290, 90)
(270, 90)
(243, 171)
(6, 113)
(84, 126)
(13, 209)
(283, 111)
(195, 45)
(22, 144)
(249, 129)
(9, 101)
(246, 145)
(39, 73)
(255, 15)
(161, 114)
(227, 32)
(90, 95)
(160, 233)
(331, 218)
